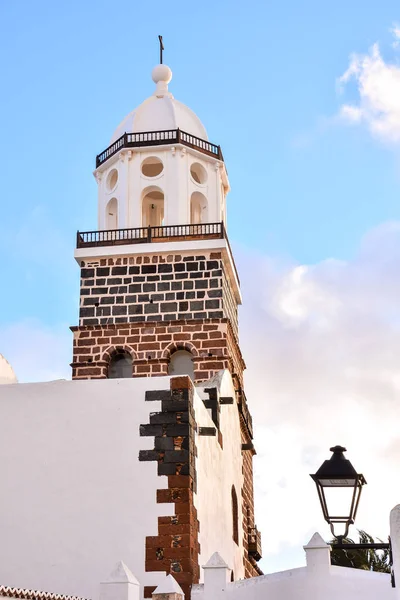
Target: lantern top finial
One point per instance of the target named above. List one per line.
(338, 449)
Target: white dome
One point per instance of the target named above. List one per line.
(7, 375)
(161, 111)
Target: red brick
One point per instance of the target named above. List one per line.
(179, 481)
(149, 346)
(165, 338)
(178, 553)
(86, 342)
(213, 344)
(148, 338)
(158, 541)
(201, 375)
(178, 383)
(157, 565)
(174, 529)
(143, 368)
(215, 334)
(200, 336)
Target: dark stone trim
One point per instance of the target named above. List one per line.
(248, 446)
(226, 400)
(207, 431)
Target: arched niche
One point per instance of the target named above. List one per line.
(198, 208)
(112, 214)
(120, 365)
(235, 515)
(152, 207)
(181, 363)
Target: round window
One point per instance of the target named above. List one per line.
(112, 180)
(152, 166)
(198, 173)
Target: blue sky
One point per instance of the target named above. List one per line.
(313, 212)
(262, 77)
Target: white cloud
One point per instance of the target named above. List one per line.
(378, 93)
(322, 345)
(395, 31)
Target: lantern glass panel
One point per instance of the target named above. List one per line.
(337, 482)
(339, 502)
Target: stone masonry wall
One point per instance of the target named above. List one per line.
(211, 342)
(163, 287)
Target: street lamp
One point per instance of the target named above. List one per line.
(337, 479)
(339, 489)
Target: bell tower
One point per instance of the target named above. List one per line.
(159, 288)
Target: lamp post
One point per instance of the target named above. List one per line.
(337, 479)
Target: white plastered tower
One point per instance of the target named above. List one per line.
(157, 184)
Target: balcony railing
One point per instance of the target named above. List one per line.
(159, 138)
(245, 413)
(255, 549)
(140, 235)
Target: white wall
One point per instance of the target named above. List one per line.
(74, 498)
(304, 583)
(217, 471)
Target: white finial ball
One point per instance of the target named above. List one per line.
(161, 73)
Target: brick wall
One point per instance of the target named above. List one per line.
(250, 565)
(211, 342)
(164, 287)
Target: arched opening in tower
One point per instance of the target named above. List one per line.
(120, 365)
(198, 208)
(112, 214)
(153, 207)
(181, 363)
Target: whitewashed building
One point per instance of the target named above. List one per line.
(146, 455)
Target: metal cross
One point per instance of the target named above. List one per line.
(161, 48)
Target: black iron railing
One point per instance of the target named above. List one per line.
(138, 235)
(255, 548)
(159, 138)
(245, 413)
